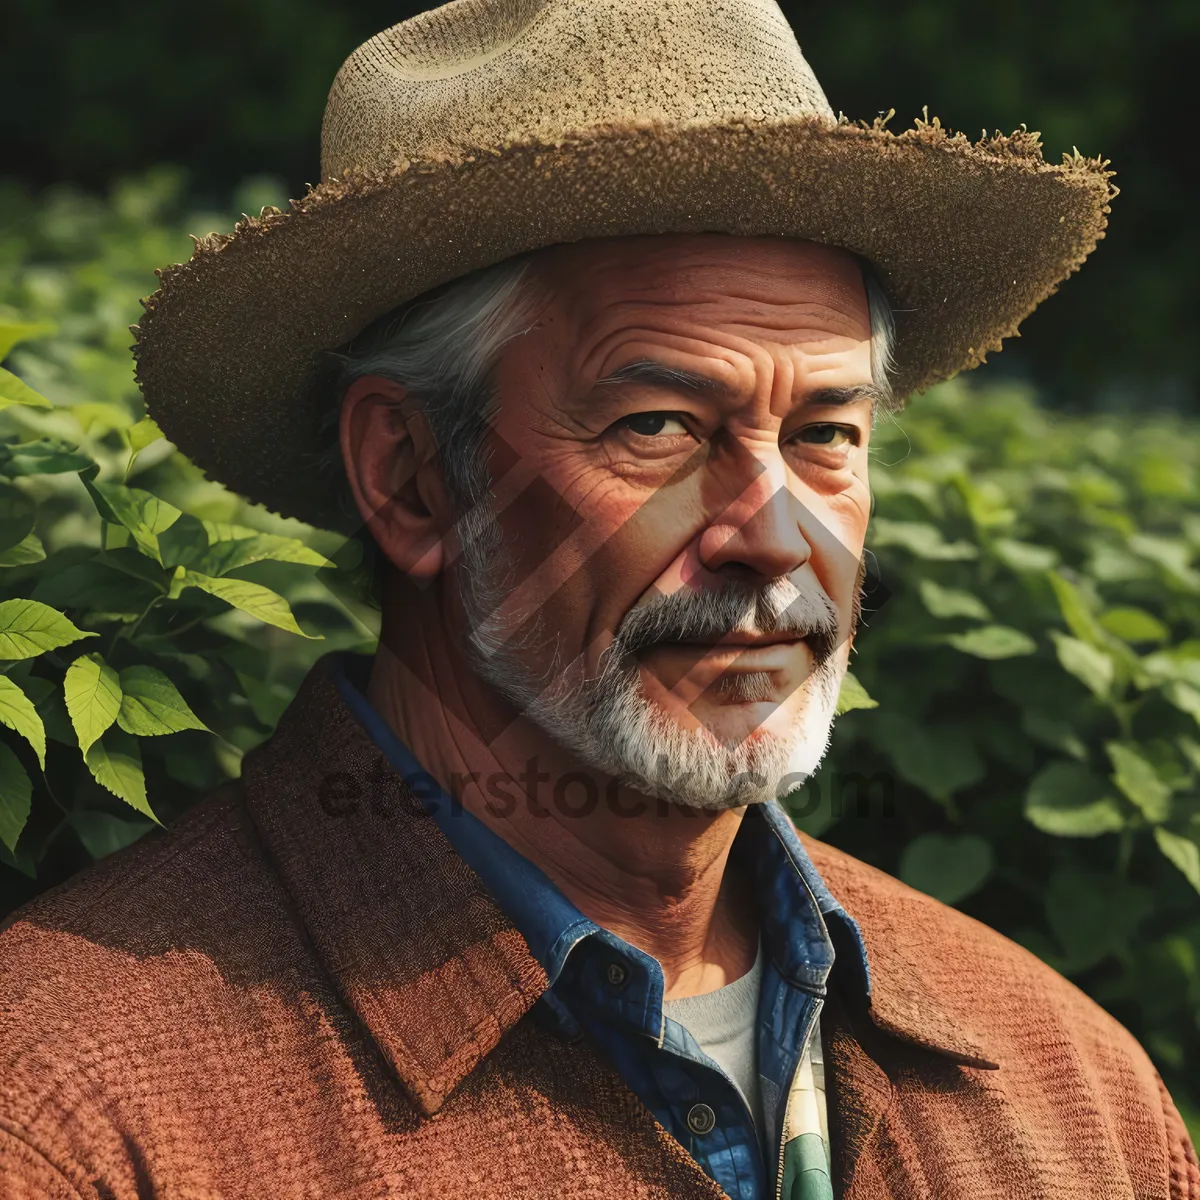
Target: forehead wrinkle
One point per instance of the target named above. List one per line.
(661, 345)
(736, 334)
(592, 325)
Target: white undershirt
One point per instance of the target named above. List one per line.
(725, 1023)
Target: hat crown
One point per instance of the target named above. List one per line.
(478, 74)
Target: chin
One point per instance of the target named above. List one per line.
(619, 723)
(740, 756)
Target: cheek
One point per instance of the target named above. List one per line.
(837, 539)
(642, 542)
(586, 546)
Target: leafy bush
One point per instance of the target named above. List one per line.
(1034, 661)
(1022, 737)
(152, 625)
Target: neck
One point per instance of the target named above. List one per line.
(653, 873)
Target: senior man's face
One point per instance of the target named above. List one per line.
(673, 574)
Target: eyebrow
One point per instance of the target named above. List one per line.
(835, 397)
(649, 371)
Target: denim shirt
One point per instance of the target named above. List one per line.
(601, 984)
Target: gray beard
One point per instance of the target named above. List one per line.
(607, 720)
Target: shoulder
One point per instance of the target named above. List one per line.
(1055, 1048)
(184, 886)
(989, 982)
(123, 963)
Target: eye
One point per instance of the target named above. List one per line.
(654, 424)
(825, 434)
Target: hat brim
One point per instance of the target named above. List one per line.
(968, 238)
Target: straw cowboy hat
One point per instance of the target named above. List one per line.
(487, 128)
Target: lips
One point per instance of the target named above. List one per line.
(739, 641)
(768, 653)
(750, 641)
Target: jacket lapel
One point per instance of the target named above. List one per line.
(417, 947)
(907, 1000)
(902, 1021)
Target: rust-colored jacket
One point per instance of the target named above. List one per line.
(302, 991)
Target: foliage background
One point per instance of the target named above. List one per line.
(1027, 741)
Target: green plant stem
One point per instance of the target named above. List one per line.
(187, 625)
(130, 631)
(1124, 853)
(50, 792)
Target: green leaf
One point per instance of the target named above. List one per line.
(1183, 852)
(1178, 663)
(1185, 698)
(20, 859)
(938, 759)
(226, 531)
(947, 603)
(1173, 555)
(985, 502)
(29, 628)
(1054, 732)
(151, 704)
(47, 456)
(17, 516)
(98, 416)
(1067, 800)
(17, 711)
(143, 514)
(129, 561)
(13, 333)
(853, 695)
(16, 391)
(1134, 625)
(1091, 666)
(93, 693)
(1092, 915)
(103, 834)
(948, 868)
(116, 764)
(224, 556)
(1140, 782)
(16, 795)
(1190, 750)
(268, 606)
(920, 539)
(143, 434)
(1024, 556)
(94, 585)
(992, 641)
(28, 550)
(267, 701)
(1075, 611)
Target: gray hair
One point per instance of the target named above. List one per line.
(443, 349)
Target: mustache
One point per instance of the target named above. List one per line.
(778, 607)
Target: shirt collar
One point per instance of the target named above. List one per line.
(421, 952)
(793, 898)
(548, 921)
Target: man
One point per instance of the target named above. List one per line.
(512, 908)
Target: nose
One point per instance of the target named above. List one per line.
(760, 533)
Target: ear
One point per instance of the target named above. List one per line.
(391, 463)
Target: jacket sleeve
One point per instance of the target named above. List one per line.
(27, 1175)
(1185, 1169)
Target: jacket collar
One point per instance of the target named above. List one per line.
(415, 944)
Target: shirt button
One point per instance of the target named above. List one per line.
(701, 1119)
(616, 974)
